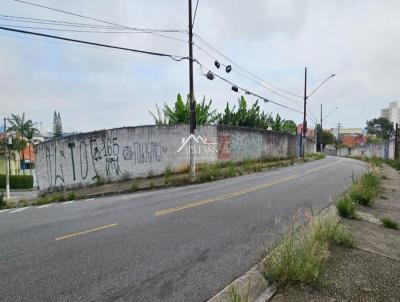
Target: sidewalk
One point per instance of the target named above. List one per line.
(371, 270)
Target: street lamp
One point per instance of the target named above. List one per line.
(305, 107)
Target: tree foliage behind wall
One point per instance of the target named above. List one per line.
(242, 115)
(381, 127)
(324, 138)
(180, 113)
(57, 125)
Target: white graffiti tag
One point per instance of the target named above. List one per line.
(201, 145)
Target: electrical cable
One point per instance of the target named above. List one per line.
(195, 11)
(242, 68)
(89, 31)
(245, 90)
(251, 79)
(173, 57)
(150, 30)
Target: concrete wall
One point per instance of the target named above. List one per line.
(136, 152)
(384, 150)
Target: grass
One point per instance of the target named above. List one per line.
(300, 258)
(167, 175)
(346, 207)
(365, 188)
(71, 195)
(234, 296)
(390, 223)
(220, 170)
(3, 203)
(134, 187)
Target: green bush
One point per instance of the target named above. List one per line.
(346, 207)
(17, 181)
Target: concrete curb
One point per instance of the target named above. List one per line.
(252, 284)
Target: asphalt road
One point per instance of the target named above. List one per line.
(179, 244)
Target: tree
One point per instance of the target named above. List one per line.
(324, 138)
(180, 113)
(381, 127)
(57, 126)
(289, 127)
(24, 130)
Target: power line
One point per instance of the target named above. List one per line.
(195, 11)
(173, 57)
(246, 90)
(55, 22)
(149, 30)
(90, 31)
(251, 79)
(242, 68)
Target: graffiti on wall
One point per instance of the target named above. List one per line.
(91, 158)
(144, 152)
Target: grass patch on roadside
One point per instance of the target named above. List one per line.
(390, 223)
(234, 296)
(395, 164)
(346, 207)
(366, 188)
(300, 258)
(220, 170)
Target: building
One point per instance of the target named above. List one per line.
(346, 131)
(392, 113)
(310, 132)
(352, 140)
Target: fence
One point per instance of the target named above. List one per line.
(137, 152)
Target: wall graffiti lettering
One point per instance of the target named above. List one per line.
(143, 152)
(84, 164)
(71, 146)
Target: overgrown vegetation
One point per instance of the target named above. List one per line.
(234, 296)
(236, 116)
(167, 175)
(366, 188)
(3, 203)
(300, 257)
(390, 223)
(346, 207)
(17, 181)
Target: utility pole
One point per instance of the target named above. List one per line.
(303, 141)
(396, 143)
(6, 157)
(192, 121)
(321, 117)
(320, 135)
(338, 133)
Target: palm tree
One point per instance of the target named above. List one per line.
(23, 129)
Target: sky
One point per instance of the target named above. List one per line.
(95, 88)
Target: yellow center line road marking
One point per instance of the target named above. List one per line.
(87, 231)
(322, 167)
(226, 196)
(238, 193)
